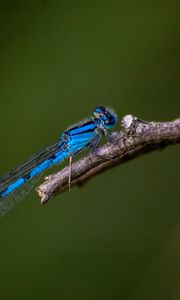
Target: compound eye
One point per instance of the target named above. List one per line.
(98, 114)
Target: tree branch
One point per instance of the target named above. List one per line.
(136, 137)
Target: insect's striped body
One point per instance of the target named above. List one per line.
(16, 183)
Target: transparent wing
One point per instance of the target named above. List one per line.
(23, 169)
(8, 202)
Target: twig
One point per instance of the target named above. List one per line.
(136, 137)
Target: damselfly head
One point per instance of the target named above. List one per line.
(106, 115)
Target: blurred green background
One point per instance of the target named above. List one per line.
(119, 236)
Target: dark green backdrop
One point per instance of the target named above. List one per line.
(119, 236)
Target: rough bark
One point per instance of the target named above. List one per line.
(137, 137)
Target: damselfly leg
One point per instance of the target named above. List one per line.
(70, 172)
